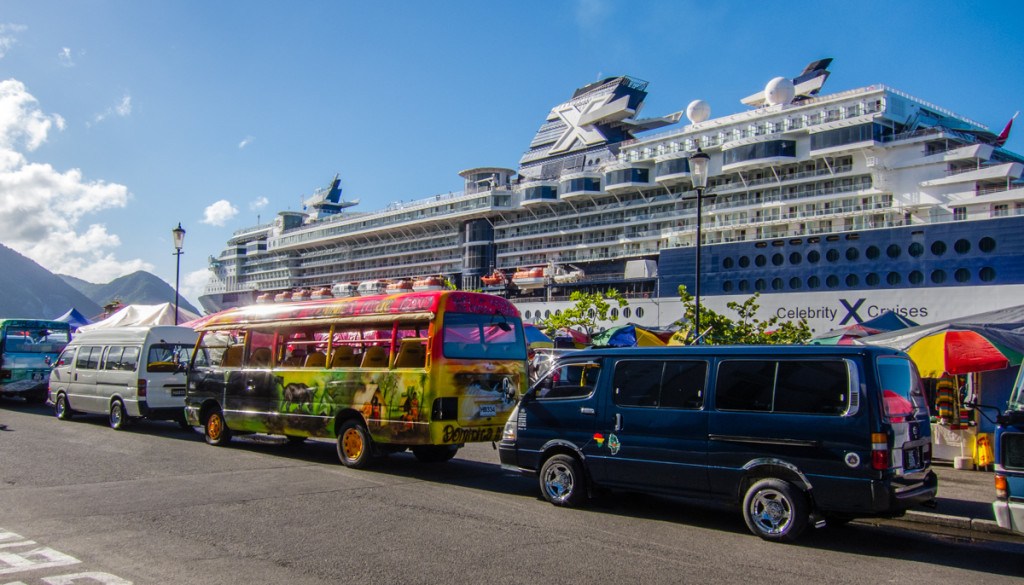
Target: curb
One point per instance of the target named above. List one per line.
(952, 525)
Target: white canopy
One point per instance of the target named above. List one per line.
(133, 315)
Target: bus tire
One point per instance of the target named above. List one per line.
(355, 447)
(434, 453)
(563, 482)
(118, 415)
(215, 430)
(61, 408)
(775, 510)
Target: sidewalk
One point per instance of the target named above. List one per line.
(964, 506)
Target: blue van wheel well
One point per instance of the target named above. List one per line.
(756, 471)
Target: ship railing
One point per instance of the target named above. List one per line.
(998, 189)
(981, 167)
(253, 228)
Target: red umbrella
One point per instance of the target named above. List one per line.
(956, 352)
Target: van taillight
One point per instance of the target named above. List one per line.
(879, 451)
(1001, 490)
(142, 388)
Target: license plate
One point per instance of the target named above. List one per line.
(488, 410)
(37, 377)
(912, 458)
(178, 392)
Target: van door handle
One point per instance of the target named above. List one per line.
(586, 410)
(618, 421)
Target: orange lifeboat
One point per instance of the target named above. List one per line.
(283, 297)
(429, 283)
(529, 278)
(302, 295)
(322, 293)
(398, 286)
(265, 298)
(496, 278)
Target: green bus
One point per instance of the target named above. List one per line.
(28, 348)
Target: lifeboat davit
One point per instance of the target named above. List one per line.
(429, 283)
(496, 278)
(372, 287)
(529, 278)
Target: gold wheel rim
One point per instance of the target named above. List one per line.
(213, 427)
(352, 444)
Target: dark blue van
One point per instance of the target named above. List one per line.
(794, 434)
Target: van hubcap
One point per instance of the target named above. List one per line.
(771, 511)
(213, 427)
(352, 444)
(559, 481)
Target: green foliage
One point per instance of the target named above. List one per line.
(746, 330)
(589, 310)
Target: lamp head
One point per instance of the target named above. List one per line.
(179, 236)
(699, 168)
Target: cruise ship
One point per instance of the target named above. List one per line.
(834, 207)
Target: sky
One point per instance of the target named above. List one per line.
(119, 119)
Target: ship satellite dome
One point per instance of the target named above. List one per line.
(779, 91)
(698, 111)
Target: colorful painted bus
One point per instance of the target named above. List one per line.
(28, 348)
(426, 371)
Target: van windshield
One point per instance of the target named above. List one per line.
(164, 357)
(902, 396)
(1017, 396)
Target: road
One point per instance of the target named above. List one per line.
(82, 503)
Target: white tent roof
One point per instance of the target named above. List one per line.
(133, 315)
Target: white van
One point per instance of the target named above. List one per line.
(125, 373)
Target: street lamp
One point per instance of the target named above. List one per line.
(179, 241)
(699, 174)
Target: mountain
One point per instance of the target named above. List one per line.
(30, 291)
(141, 288)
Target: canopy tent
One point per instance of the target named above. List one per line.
(1004, 327)
(73, 318)
(535, 337)
(135, 315)
(887, 321)
(631, 335)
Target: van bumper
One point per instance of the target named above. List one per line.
(889, 496)
(1009, 515)
(508, 455)
(170, 413)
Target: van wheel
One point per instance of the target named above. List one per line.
(61, 408)
(215, 430)
(355, 447)
(434, 453)
(563, 482)
(775, 510)
(118, 416)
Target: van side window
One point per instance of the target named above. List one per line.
(130, 358)
(121, 358)
(89, 358)
(784, 386)
(568, 381)
(661, 384)
(66, 357)
(113, 361)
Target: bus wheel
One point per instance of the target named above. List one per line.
(775, 510)
(62, 410)
(118, 417)
(215, 431)
(562, 481)
(434, 453)
(355, 447)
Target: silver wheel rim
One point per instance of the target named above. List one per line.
(115, 415)
(559, 481)
(771, 511)
(61, 407)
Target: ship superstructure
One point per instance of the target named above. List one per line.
(831, 206)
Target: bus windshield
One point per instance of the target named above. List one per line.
(475, 336)
(35, 340)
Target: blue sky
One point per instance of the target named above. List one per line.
(118, 119)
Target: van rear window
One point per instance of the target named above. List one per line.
(902, 395)
(785, 386)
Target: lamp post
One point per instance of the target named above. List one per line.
(699, 174)
(179, 240)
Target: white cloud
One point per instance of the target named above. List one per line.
(64, 56)
(245, 142)
(7, 33)
(193, 283)
(123, 109)
(219, 213)
(259, 203)
(40, 207)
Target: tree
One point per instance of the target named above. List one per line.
(584, 315)
(748, 329)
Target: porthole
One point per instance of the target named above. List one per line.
(547, 314)
(727, 286)
(558, 312)
(760, 284)
(813, 256)
(915, 250)
(777, 259)
(626, 313)
(938, 247)
(916, 277)
(592, 314)
(872, 279)
(639, 312)
(872, 252)
(794, 283)
(744, 262)
(893, 251)
(744, 285)
(962, 275)
(893, 278)
(987, 274)
(527, 315)
(760, 260)
(852, 254)
(727, 263)
(813, 282)
(832, 281)
(776, 284)
(962, 246)
(832, 255)
(938, 276)
(615, 313)
(795, 258)
(852, 280)
(987, 244)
